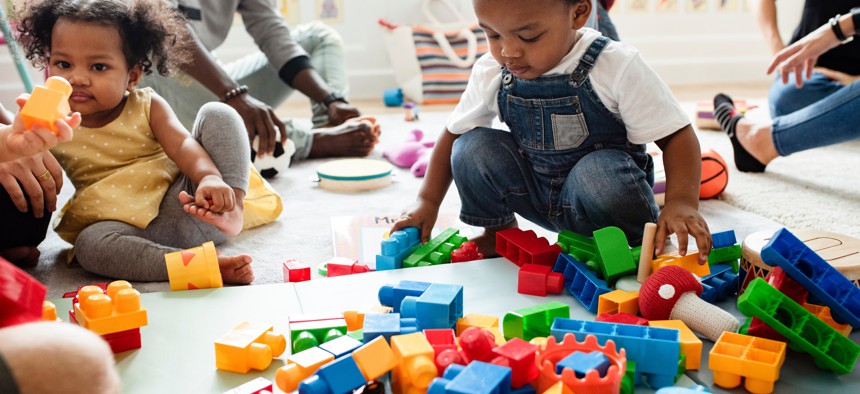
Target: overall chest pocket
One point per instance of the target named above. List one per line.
(547, 124)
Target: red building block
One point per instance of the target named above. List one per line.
(468, 251)
(339, 266)
(124, 340)
(539, 280)
(519, 356)
(477, 344)
(21, 296)
(524, 247)
(442, 339)
(782, 282)
(622, 318)
(296, 271)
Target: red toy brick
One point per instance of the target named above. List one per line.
(339, 266)
(524, 247)
(519, 356)
(296, 271)
(21, 296)
(539, 280)
(446, 358)
(477, 344)
(124, 340)
(468, 251)
(782, 282)
(622, 318)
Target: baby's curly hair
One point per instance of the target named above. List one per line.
(153, 33)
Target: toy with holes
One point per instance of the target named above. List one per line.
(525, 247)
(539, 280)
(21, 296)
(416, 367)
(354, 175)
(552, 355)
(436, 251)
(47, 104)
(705, 113)
(607, 253)
(757, 360)
(248, 346)
(343, 374)
(581, 282)
(307, 331)
(468, 251)
(114, 313)
(439, 306)
(396, 248)
(194, 268)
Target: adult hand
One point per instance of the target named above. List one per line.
(339, 112)
(26, 142)
(260, 120)
(421, 214)
(838, 76)
(683, 220)
(800, 58)
(40, 177)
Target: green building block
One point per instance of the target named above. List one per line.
(615, 257)
(805, 332)
(629, 379)
(436, 251)
(305, 335)
(534, 321)
(357, 334)
(580, 247)
(728, 255)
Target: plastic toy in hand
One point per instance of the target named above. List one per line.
(413, 153)
(277, 163)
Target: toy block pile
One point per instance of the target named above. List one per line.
(114, 312)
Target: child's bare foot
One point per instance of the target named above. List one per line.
(236, 269)
(355, 137)
(486, 241)
(22, 256)
(229, 223)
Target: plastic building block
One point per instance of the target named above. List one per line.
(691, 345)
(341, 346)
(727, 255)
(47, 104)
(720, 284)
(758, 360)
(554, 351)
(519, 356)
(697, 389)
(525, 247)
(436, 251)
(21, 296)
(823, 313)
(655, 350)
(375, 358)
(723, 239)
(340, 266)
(619, 301)
(437, 307)
(477, 344)
(535, 279)
(441, 339)
(124, 340)
(49, 311)
(581, 363)
(584, 284)
(615, 257)
(355, 319)
(300, 366)
(415, 367)
(534, 321)
(296, 271)
(805, 332)
(194, 268)
(307, 332)
(558, 388)
(476, 320)
(248, 346)
(394, 249)
(827, 284)
(468, 251)
(689, 262)
(579, 246)
(477, 377)
(117, 309)
(256, 386)
(622, 318)
(385, 325)
(782, 282)
(339, 376)
(392, 295)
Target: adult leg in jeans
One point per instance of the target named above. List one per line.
(785, 98)
(20, 232)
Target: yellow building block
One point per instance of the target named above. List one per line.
(375, 358)
(690, 262)
(416, 367)
(540, 342)
(558, 388)
(691, 345)
(117, 309)
(823, 313)
(194, 268)
(476, 320)
(497, 335)
(47, 104)
(299, 367)
(618, 301)
(756, 359)
(248, 345)
(49, 311)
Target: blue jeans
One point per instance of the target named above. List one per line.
(606, 187)
(830, 120)
(787, 98)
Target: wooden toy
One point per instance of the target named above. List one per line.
(47, 104)
(194, 268)
(646, 254)
(354, 175)
(248, 346)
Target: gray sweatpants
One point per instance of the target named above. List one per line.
(120, 250)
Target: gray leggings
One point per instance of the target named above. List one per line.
(120, 250)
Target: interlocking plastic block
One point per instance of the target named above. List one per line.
(827, 284)
(476, 320)
(305, 334)
(437, 307)
(392, 295)
(375, 358)
(580, 247)
(436, 251)
(416, 367)
(720, 284)
(519, 356)
(580, 363)
(689, 262)
(525, 247)
(619, 301)
(341, 346)
(394, 249)
(622, 318)
(385, 325)
(691, 345)
(441, 339)
(805, 332)
(117, 309)
(248, 346)
(477, 377)
(697, 389)
(47, 104)
(339, 266)
(534, 321)
(782, 282)
(49, 312)
(727, 255)
(655, 350)
(584, 284)
(539, 280)
(256, 386)
(823, 313)
(300, 366)
(194, 268)
(355, 318)
(124, 340)
(339, 376)
(615, 257)
(558, 388)
(296, 271)
(477, 344)
(758, 360)
(723, 239)
(21, 296)
(468, 251)
(554, 351)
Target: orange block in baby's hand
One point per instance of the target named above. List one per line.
(47, 104)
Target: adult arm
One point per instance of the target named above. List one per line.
(800, 58)
(765, 14)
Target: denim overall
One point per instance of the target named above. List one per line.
(565, 165)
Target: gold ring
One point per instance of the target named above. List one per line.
(45, 176)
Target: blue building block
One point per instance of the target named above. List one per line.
(526, 389)
(581, 363)
(476, 378)
(341, 346)
(339, 376)
(824, 282)
(438, 307)
(392, 295)
(723, 239)
(396, 248)
(697, 389)
(656, 351)
(720, 284)
(584, 285)
(384, 324)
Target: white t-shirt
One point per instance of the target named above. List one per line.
(621, 79)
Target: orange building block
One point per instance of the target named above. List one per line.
(375, 358)
(355, 319)
(756, 359)
(114, 310)
(823, 313)
(415, 367)
(618, 301)
(299, 367)
(47, 104)
(194, 268)
(558, 388)
(476, 320)
(691, 345)
(49, 311)
(690, 262)
(248, 345)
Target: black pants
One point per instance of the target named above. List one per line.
(17, 228)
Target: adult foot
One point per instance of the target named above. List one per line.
(355, 137)
(236, 269)
(22, 256)
(229, 223)
(730, 121)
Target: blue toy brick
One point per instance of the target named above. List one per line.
(396, 248)
(581, 363)
(339, 376)
(697, 389)
(341, 346)
(723, 239)
(392, 295)
(720, 284)
(476, 378)
(824, 282)
(384, 324)
(585, 286)
(438, 307)
(526, 389)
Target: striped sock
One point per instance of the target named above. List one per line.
(728, 118)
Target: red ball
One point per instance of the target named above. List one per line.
(715, 175)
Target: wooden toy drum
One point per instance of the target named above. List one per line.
(353, 175)
(841, 251)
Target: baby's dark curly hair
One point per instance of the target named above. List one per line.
(153, 33)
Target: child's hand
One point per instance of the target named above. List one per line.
(422, 214)
(215, 195)
(683, 220)
(25, 142)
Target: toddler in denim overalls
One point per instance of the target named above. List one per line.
(580, 109)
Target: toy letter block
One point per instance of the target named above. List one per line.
(535, 279)
(117, 309)
(299, 367)
(21, 296)
(394, 249)
(248, 346)
(756, 359)
(194, 268)
(468, 251)
(340, 266)
(296, 271)
(47, 104)
(525, 247)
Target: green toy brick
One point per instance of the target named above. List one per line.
(534, 321)
(579, 246)
(436, 251)
(728, 255)
(615, 257)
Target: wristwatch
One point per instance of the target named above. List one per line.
(332, 97)
(837, 30)
(855, 17)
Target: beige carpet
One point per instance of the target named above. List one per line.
(818, 190)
